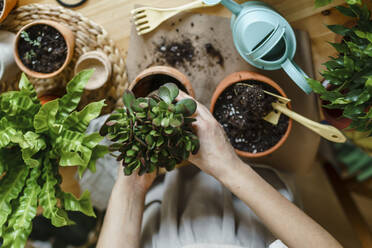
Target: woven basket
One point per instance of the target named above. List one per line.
(89, 36)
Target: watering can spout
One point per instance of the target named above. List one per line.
(233, 6)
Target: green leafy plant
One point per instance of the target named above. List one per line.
(322, 3)
(152, 132)
(26, 37)
(34, 141)
(350, 73)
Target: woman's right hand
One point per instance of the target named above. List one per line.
(216, 155)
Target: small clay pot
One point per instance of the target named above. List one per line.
(243, 76)
(67, 34)
(8, 6)
(152, 78)
(101, 64)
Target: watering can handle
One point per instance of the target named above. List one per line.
(268, 44)
(297, 75)
(233, 6)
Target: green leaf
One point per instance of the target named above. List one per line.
(10, 188)
(20, 223)
(26, 87)
(349, 63)
(364, 97)
(45, 119)
(351, 2)
(48, 200)
(71, 100)
(84, 205)
(165, 94)
(31, 143)
(173, 89)
(316, 86)
(165, 122)
(6, 136)
(98, 152)
(128, 99)
(79, 121)
(321, 3)
(187, 107)
(345, 11)
(339, 29)
(364, 35)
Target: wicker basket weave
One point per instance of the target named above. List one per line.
(89, 36)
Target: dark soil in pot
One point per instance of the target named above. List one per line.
(152, 83)
(1, 6)
(42, 48)
(240, 110)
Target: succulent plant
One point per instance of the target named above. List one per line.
(152, 132)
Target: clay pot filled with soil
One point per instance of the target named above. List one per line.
(5, 7)
(152, 78)
(240, 109)
(44, 48)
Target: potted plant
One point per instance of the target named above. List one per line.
(347, 97)
(152, 78)
(5, 7)
(44, 48)
(239, 105)
(154, 132)
(35, 140)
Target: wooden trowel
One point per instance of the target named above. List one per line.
(280, 107)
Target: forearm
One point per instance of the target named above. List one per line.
(122, 224)
(281, 217)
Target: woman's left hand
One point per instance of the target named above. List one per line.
(139, 184)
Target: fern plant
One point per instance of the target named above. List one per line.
(349, 74)
(34, 141)
(153, 132)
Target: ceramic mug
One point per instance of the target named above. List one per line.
(264, 38)
(8, 67)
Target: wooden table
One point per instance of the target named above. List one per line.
(114, 15)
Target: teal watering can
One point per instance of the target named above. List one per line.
(264, 38)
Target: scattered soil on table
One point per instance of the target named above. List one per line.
(1, 6)
(240, 110)
(176, 53)
(42, 49)
(151, 83)
(185, 53)
(213, 52)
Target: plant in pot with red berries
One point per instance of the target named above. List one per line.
(347, 98)
(43, 48)
(239, 104)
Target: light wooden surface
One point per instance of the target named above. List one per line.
(114, 15)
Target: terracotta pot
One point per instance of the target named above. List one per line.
(47, 98)
(243, 76)
(152, 78)
(67, 34)
(8, 68)
(8, 6)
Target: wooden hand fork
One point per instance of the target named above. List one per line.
(326, 131)
(147, 19)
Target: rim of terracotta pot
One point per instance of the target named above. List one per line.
(247, 75)
(67, 34)
(165, 70)
(8, 6)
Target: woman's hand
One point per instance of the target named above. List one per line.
(216, 155)
(134, 182)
